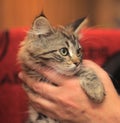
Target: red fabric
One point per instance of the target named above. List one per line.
(13, 104)
(98, 45)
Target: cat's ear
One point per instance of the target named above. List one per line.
(42, 25)
(77, 25)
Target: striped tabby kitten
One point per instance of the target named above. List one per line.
(57, 48)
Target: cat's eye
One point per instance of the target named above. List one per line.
(79, 52)
(64, 51)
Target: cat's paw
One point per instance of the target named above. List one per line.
(95, 91)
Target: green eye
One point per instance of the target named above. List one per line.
(64, 51)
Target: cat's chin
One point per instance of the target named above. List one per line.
(68, 72)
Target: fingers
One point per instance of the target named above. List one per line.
(29, 81)
(44, 89)
(37, 99)
(53, 76)
(49, 73)
(42, 105)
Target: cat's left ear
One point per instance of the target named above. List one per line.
(77, 25)
(42, 25)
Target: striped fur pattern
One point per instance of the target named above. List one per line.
(59, 49)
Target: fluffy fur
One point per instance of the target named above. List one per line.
(57, 48)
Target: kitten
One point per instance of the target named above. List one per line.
(59, 49)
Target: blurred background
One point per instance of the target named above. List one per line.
(21, 13)
(103, 13)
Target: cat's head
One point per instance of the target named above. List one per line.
(58, 47)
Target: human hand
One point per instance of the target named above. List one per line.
(68, 103)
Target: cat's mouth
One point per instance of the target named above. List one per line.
(72, 71)
(68, 71)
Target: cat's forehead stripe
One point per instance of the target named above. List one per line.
(67, 44)
(73, 40)
(65, 35)
(48, 52)
(32, 54)
(70, 37)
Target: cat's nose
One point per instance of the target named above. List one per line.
(76, 63)
(75, 60)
